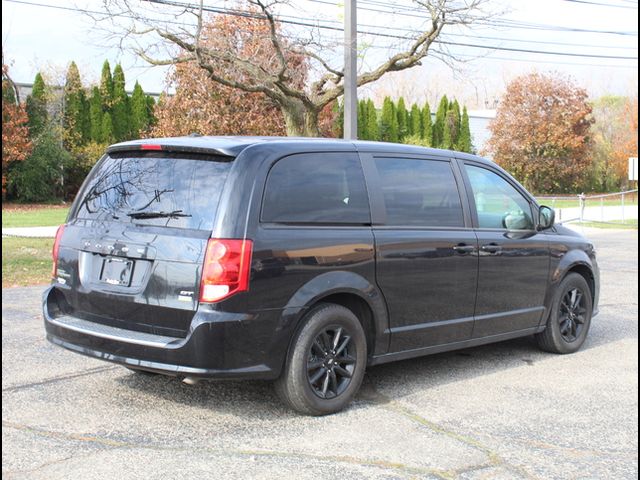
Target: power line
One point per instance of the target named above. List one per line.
(533, 26)
(81, 10)
(484, 37)
(400, 10)
(571, 64)
(247, 14)
(385, 35)
(602, 4)
(528, 60)
(543, 42)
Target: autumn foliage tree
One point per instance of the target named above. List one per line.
(630, 146)
(614, 141)
(202, 106)
(541, 133)
(16, 145)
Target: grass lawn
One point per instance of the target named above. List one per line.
(26, 261)
(628, 224)
(15, 215)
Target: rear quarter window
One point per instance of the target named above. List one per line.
(318, 188)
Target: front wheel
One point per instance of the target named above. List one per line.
(326, 363)
(570, 316)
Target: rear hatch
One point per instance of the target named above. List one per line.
(132, 251)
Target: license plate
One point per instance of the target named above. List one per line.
(116, 271)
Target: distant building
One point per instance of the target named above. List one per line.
(479, 126)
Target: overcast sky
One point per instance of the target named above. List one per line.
(35, 37)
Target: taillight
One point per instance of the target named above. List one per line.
(150, 146)
(54, 251)
(226, 269)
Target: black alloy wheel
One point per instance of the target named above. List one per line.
(572, 315)
(326, 362)
(331, 362)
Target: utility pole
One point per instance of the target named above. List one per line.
(350, 71)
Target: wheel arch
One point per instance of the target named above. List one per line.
(360, 308)
(351, 291)
(586, 272)
(575, 261)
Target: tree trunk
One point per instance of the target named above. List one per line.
(300, 120)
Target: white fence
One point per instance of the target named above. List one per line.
(610, 208)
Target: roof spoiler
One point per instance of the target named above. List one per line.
(135, 147)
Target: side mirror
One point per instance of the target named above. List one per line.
(546, 217)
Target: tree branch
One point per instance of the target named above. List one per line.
(275, 41)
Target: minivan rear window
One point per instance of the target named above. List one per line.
(152, 188)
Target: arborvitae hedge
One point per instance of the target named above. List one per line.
(120, 109)
(389, 122)
(450, 129)
(95, 115)
(427, 129)
(106, 86)
(74, 119)
(403, 119)
(36, 106)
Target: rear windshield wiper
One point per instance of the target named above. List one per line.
(152, 214)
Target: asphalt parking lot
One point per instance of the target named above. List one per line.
(500, 411)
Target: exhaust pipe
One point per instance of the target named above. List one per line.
(191, 380)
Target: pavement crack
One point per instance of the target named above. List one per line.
(564, 450)
(10, 473)
(493, 458)
(59, 378)
(106, 442)
(245, 453)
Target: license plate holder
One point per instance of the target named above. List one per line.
(117, 271)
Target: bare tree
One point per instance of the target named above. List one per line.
(275, 57)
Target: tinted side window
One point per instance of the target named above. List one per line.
(420, 193)
(498, 203)
(316, 188)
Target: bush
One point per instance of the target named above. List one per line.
(416, 140)
(78, 165)
(37, 178)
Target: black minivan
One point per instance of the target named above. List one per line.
(305, 260)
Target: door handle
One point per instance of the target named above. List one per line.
(491, 248)
(463, 248)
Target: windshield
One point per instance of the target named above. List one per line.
(152, 189)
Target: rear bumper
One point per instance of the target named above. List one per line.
(218, 344)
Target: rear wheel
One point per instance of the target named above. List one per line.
(570, 316)
(326, 363)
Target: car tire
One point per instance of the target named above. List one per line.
(570, 316)
(326, 362)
